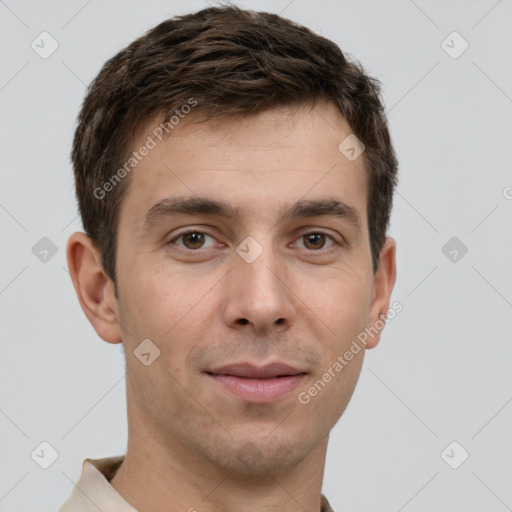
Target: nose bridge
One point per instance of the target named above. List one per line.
(258, 293)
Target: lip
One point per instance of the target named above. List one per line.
(259, 384)
(253, 371)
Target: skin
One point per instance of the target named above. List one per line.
(191, 443)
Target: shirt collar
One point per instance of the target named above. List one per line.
(93, 491)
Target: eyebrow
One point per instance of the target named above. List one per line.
(170, 207)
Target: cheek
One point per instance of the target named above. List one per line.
(344, 309)
(157, 301)
(157, 308)
(176, 314)
(342, 304)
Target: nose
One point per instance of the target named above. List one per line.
(259, 295)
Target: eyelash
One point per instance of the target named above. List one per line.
(315, 232)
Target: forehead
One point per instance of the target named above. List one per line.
(257, 163)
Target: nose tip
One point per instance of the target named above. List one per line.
(257, 296)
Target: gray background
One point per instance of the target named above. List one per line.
(442, 372)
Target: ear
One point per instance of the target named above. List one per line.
(94, 289)
(384, 281)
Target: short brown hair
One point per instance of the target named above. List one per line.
(233, 62)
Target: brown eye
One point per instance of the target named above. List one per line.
(193, 240)
(314, 241)
(317, 241)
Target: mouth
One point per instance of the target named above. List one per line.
(258, 384)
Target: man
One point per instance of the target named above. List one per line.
(234, 174)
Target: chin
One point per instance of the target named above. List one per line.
(263, 455)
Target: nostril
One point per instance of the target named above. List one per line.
(243, 321)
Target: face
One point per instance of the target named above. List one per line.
(244, 243)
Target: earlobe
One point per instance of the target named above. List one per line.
(94, 289)
(384, 281)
